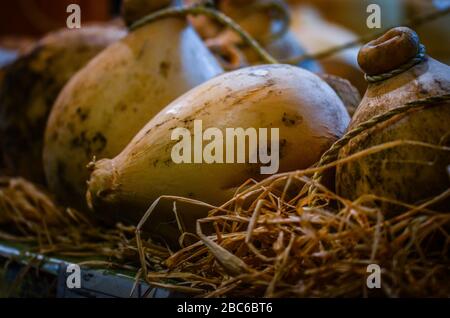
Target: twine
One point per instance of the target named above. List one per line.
(210, 12)
(278, 7)
(419, 58)
(282, 14)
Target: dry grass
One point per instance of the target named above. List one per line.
(28, 215)
(281, 248)
(274, 238)
(268, 242)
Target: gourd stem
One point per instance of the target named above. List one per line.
(419, 58)
(332, 154)
(215, 14)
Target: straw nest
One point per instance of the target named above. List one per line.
(29, 216)
(268, 243)
(286, 236)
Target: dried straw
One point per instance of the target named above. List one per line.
(267, 240)
(28, 215)
(269, 243)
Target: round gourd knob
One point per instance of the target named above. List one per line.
(390, 51)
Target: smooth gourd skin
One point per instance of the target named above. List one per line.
(115, 95)
(308, 113)
(30, 86)
(408, 174)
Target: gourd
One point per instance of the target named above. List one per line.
(31, 84)
(105, 104)
(306, 111)
(400, 73)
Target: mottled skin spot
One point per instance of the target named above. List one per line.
(90, 145)
(82, 114)
(290, 120)
(164, 68)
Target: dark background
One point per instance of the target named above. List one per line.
(37, 17)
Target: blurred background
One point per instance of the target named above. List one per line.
(37, 17)
(319, 24)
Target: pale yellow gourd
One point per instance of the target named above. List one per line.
(111, 99)
(307, 112)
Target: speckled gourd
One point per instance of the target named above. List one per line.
(307, 112)
(408, 173)
(30, 86)
(110, 100)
